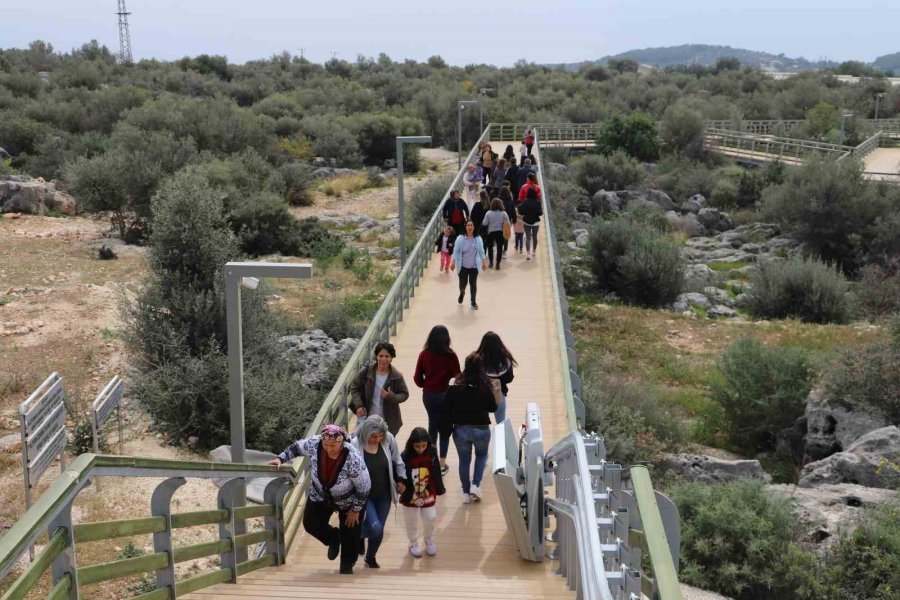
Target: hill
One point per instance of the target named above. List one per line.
(889, 63)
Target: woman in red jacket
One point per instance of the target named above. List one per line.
(437, 365)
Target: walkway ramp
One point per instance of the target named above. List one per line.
(476, 556)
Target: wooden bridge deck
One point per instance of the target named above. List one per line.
(476, 557)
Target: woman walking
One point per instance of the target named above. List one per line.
(487, 163)
(468, 256)
(495, 222)
(530, 211)
(473, 178)
(456, 212)
(470, 400)
(528, 140)
(379, 389)
(499, 175)
(498, 364)
(388, 476)
(436, 366)
(509, 153)
(509, 205)
(340, 482)
(424, 484)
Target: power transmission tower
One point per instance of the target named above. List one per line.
(124, 36)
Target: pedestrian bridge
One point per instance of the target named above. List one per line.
(557, 519)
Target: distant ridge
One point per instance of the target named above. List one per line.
(707, 55)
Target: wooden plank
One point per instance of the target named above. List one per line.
(196, 551)
(201, 581)
(107, 530)
(33, 572)
(253, 565)
(162, 594)
(121, 568)
(199, 517)
(250, 512)
(253, 538)
(62, 590)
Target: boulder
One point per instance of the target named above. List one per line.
(694, 299)
(556, 170)
(873, 461)
(718, 296)
(831, 427)
(827, 509)
(34, 197)
(312, 353)
(584, 217)
(11, 443)
(605, 202)
(720, 311)
(714, 219)
(693, 204)
(660, 198)
(707, 469)
(700, 273)
(685, 223)
(582, 238)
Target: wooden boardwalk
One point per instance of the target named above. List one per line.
(476, 557)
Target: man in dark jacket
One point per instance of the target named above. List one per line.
(512, 175)
(456, 212)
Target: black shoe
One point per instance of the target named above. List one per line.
(334, 548)
(460, 299)
(371, 563)
(498, 266)
(491, 266)
(362, 546)
(346, 570)
(475, 306)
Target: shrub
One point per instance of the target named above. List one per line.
(20, 134)
(348, 184)
(635, 135)
(682, 130)
(879, 290)
(98, 184)
(264, 225)
(868, 378)
(297, 148)
(804, 289)
(762, 390)
(553, 154)
(298, 183)
(425, 199)
(335, 320)
(331, 140)
(316, 241)
(636, 262)
(741, 542)
(617, 171)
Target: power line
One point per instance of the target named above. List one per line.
(124, 35)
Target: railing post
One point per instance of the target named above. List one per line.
(161, 506)
(228, 495)
(65, 563)
(274, 494)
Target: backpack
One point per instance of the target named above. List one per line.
(529, 139)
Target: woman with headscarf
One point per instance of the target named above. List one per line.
(388, 476)
(340, 482)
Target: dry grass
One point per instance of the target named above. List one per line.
(350, 184)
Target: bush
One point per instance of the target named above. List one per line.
(682, 130)
(617, 171)
(425, 199)
(636, 262)
(741, 542)
(20, 134)
(804, 289)
(316, 241)
(335, 320)
(635, 135)
(868, 378)
(298, 183)
(879, 290)
(264, 225)
(762, 390)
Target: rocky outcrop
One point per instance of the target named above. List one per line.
(830, 426)
(707, 469)
(873, 460)
(827, 509)
(312, 353)
(34, 197)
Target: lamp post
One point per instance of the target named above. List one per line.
(483, 92)
(460, 106)
(401, 140)
(878, 98)
(844, 117)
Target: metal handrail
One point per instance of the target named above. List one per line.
(869, 145)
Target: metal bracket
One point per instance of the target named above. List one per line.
(161, 506)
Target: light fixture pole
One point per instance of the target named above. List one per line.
(844, 116)
(401, 140)
(878, 98)
(482, 91)
(460, 106)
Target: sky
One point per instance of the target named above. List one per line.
(498, 33)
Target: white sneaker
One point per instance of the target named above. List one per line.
(430, 548)
(466, 498)
(475, 493)
(528, 256)
(414, 549)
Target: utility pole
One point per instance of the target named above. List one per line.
(124, 35)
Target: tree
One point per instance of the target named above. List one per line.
(821, 119)
(623, 65)
(682, 130)
(634, 134)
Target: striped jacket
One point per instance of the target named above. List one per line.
(352, 486)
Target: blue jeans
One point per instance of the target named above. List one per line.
(434, 406)
(377, 510)
(500, 415)
(465, 437)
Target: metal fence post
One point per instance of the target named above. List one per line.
(229, 493)
(65, 563)
(274, 494)
(161, 506)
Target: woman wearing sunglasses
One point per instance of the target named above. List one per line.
(340, 482)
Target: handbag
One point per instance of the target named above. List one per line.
(507, 230)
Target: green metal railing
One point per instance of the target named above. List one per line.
(52, 514)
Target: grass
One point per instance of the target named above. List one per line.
(350, 184)
(724, 267)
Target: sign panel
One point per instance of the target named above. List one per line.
(42, 402)
(42, 419)
(108, 399)
(40, 463)
(44, 432)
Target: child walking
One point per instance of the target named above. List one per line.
(519, 230)
(444, 245)
(423, 485)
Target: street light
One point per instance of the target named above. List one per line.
(878, 98)
(844, 116)
(405, 139)
(460, 106)
(482, 91)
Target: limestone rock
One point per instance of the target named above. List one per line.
(707, 469)
(605, 202)
(313, 352)
(11, 443)
(720, 311)
(556, 170)
(34, 197)
(714, 219)
(832, 427)
(582, 239)
(718, 296)
(693, 204)
(661, 199)
(873, 460)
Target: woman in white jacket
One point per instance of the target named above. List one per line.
(387, 474)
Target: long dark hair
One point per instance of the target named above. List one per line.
(438, 341)
(493, 352)
(505, 194)
(473, 372)
(417, 435)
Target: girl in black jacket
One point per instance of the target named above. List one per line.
(444, 245)
(423, 485)
(498, 364)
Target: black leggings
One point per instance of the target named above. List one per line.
(487, 172)
(470, 277)
(495, 238)
(315, 521)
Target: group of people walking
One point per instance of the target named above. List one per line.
(361, 476)
(503, 200)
